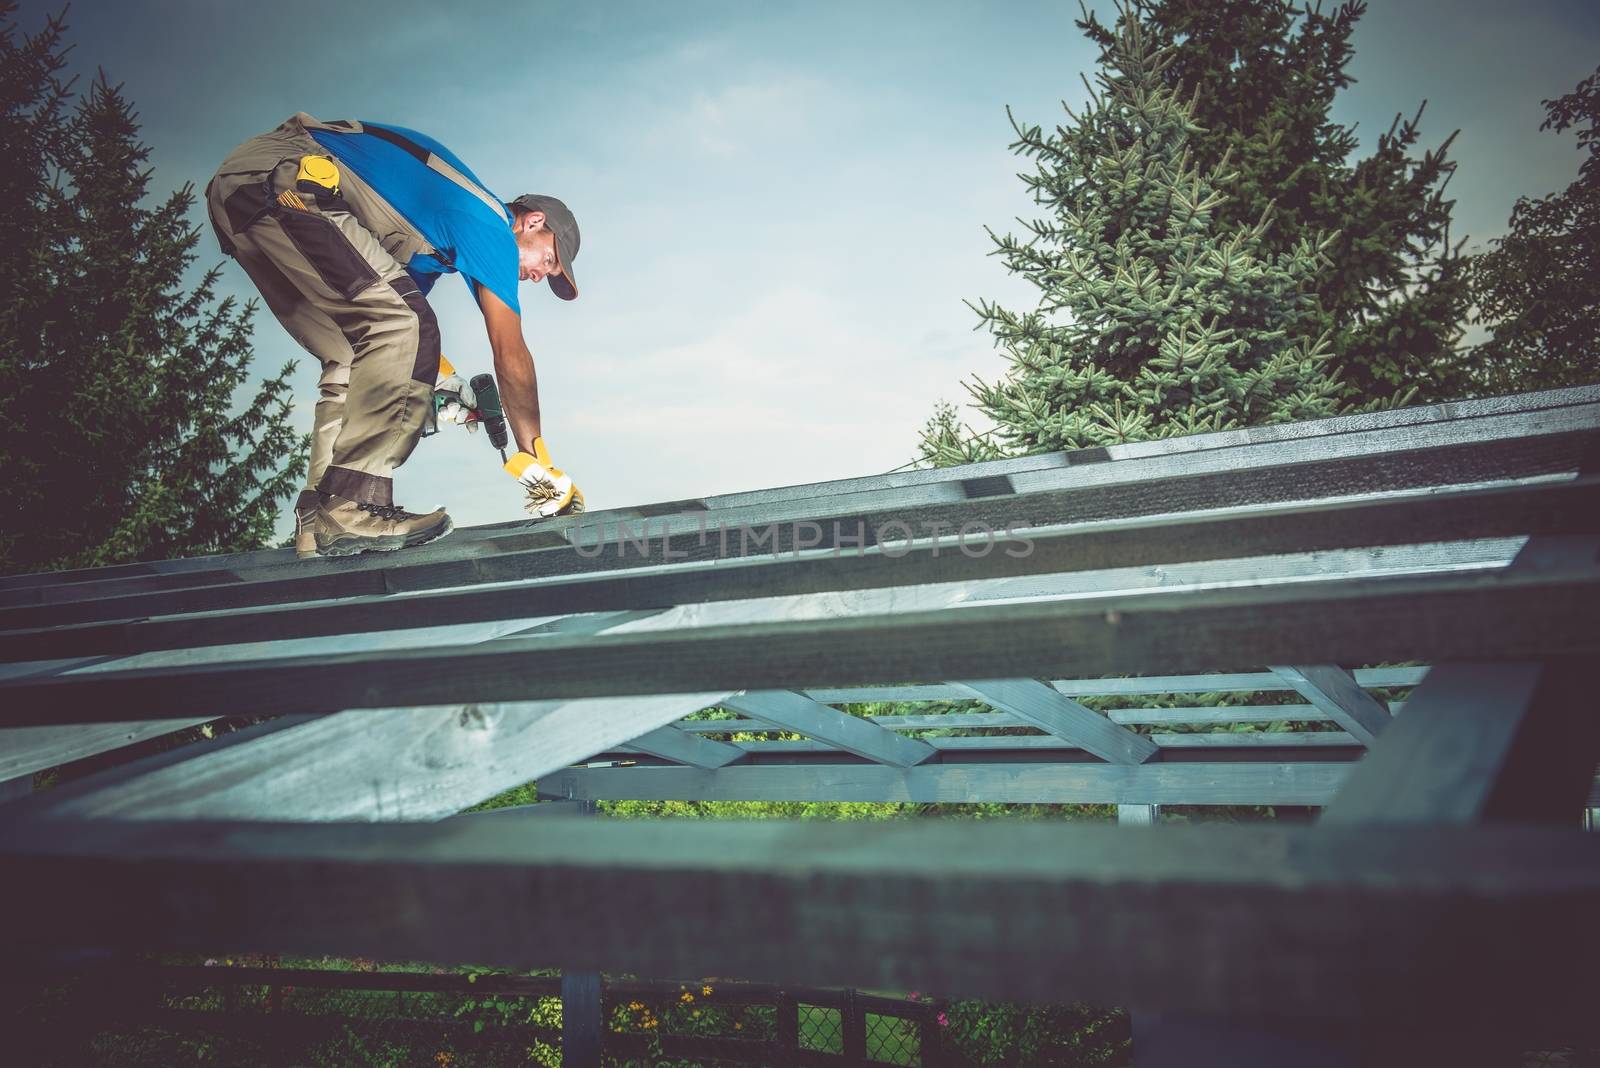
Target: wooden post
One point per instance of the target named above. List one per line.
(787, 1037)
(582, 1004)
(581, 1021)
(1138, 815)
(930, 1036)
(853, 1026)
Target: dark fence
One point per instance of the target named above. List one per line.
(266, 1015)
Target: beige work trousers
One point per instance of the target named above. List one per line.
(347, 301)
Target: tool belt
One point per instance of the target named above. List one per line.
(255, 177)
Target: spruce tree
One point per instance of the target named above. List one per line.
(1263, 75)
(1155, 316)
(122, 435)
(1538, 288)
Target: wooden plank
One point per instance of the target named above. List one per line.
(1425, 926)
(1144, 717)
(1237, 682)
(1217, 740)
(1137, 686)
(719, 726)
(1394, 418)
(1124, 716)
(1507, 431)
(1220, 715)
(380, 765)
(1481, 742)
(1447, 615)
(1283, 783)
(1254, 739)
(795, 712)
(1038, 705)
(1236, 485)
(670, 743)
(25, 750)
(1336, 692)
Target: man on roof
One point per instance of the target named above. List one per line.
(344, 227)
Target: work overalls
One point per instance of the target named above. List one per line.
(329, 262)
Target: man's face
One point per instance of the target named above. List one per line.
(536, 248)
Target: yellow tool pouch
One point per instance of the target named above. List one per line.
(319, 176)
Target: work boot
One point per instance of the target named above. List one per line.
(305, 525)
(344, 527)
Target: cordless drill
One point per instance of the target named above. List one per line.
(490, 413)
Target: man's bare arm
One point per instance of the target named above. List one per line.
(513, 368)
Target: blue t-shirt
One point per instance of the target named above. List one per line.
(471, 238)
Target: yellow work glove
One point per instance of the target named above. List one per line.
(550, 490)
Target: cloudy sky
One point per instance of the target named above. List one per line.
(783, 207)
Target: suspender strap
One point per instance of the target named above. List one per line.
(437, 163)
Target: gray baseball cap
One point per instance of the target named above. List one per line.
(558, 217)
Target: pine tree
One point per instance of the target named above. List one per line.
(1263, 75)
(1538, 288)
(121, 436)
(1155, 316)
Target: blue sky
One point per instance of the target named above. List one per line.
(783, 207)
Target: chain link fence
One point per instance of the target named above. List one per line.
(247, 1012)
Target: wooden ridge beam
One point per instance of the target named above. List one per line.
(1429, 617)
(1456, 411)
(1079, 547)
(843, 531)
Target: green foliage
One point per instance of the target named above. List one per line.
(1156, 315)
(119, 429)
(946, 441)
(1262, 76)
(525, 794)
(1538, 288)
(990, 1035)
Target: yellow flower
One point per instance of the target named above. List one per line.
(706, 990)
(635, 1005)
(687, 997)
(738, 1027)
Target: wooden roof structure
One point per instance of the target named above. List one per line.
(1447, 870)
